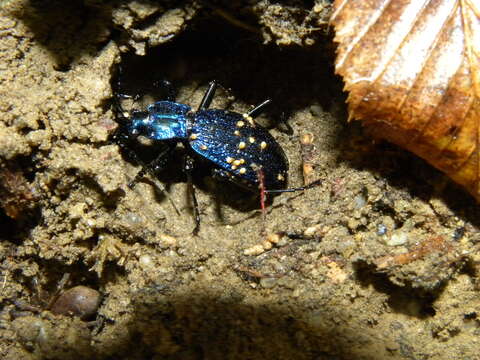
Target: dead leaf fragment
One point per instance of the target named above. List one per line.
(412, 70)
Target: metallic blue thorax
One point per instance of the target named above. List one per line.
(163, 120)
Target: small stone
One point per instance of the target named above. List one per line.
(397, 239)
(79, 301)
(381, 229)
(168, 240)
(267, 245)
(360, 201)
(254, 250)
(273, 238)
(145, 261)
(268, 282)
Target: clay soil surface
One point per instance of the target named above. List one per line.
(378, 262)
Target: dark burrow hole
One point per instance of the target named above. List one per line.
(405, 300)
(43, 286)
(250, 71)
(213, 50)
(8, 228)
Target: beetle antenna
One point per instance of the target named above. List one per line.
(208, 97)
(257, 110)
(302, 188)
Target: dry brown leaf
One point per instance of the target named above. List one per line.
(412, 70)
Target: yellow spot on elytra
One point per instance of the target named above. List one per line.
(263, 145)
(248, 118)
(240, 123)
(229, 160)
(236, 162)
(242, 170)
(280, 177)
(203, 147)
(237, 133)
(193, 137)
(241, 145)
(242, 161)
(251, 139)
(233, 167)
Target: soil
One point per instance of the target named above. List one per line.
(380, 261)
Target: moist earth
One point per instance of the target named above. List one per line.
(380, 261)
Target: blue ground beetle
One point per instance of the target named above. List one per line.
(239, 149)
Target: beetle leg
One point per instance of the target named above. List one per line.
(154, 166)
(263, 198)
(118, 95)
(118, 109)
(257, 110)
(188, 168)
(122, 140)
(155, 84)
(208, 97)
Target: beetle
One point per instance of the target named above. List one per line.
(239, 149)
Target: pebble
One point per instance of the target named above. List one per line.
(79, 301)
(397, 239)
